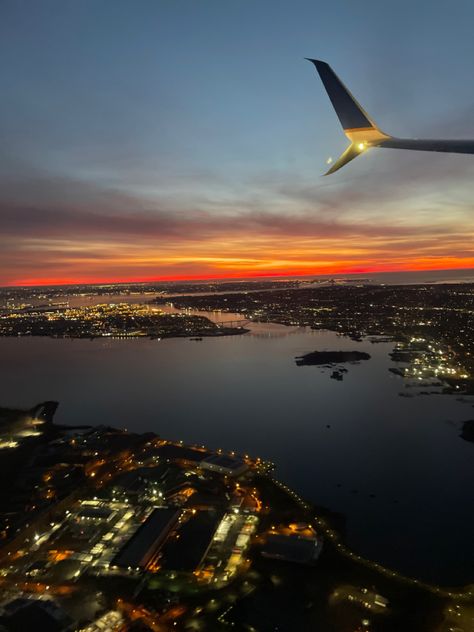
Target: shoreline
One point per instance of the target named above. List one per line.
(333, 524)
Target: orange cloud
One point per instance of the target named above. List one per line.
(291, 230)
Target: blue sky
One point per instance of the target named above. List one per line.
(204, 115)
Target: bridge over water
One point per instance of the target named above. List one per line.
(241, 322)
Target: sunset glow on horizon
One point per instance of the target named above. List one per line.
(120, 165)
(316, 271)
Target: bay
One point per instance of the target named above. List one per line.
(394, 466)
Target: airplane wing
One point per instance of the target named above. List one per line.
(447, 146)
(361, 130)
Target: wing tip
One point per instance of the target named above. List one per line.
(317, 62)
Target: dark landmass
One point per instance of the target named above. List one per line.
(404, 355)
(29, 431)
(331, 357)
(397, 371)
(14, 420)
(11, 417)
(50, 294)
(467, 432)
(67, 491)
(122, 320)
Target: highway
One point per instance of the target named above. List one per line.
(465, 594)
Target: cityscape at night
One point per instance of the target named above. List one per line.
(126, 529)
(107, 529)
(236, 394)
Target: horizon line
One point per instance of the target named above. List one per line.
(210, 278)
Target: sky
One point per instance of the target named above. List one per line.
(180, 139)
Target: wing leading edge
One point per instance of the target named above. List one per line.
(361, 130)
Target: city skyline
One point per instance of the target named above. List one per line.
(171, 143)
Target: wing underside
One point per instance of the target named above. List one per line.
(446, 146)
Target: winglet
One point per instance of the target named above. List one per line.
(351, 152)
(356, 123)
(350, 113)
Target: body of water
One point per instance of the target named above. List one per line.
(394, 466)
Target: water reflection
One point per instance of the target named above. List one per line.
(392, 465)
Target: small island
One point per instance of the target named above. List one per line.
(331, 357)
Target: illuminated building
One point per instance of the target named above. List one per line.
(223, 464)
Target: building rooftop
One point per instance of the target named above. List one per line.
(147, 540)
(292, 548)
(195, 536)
(224, 461)
(95, 513)
(176, 452)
